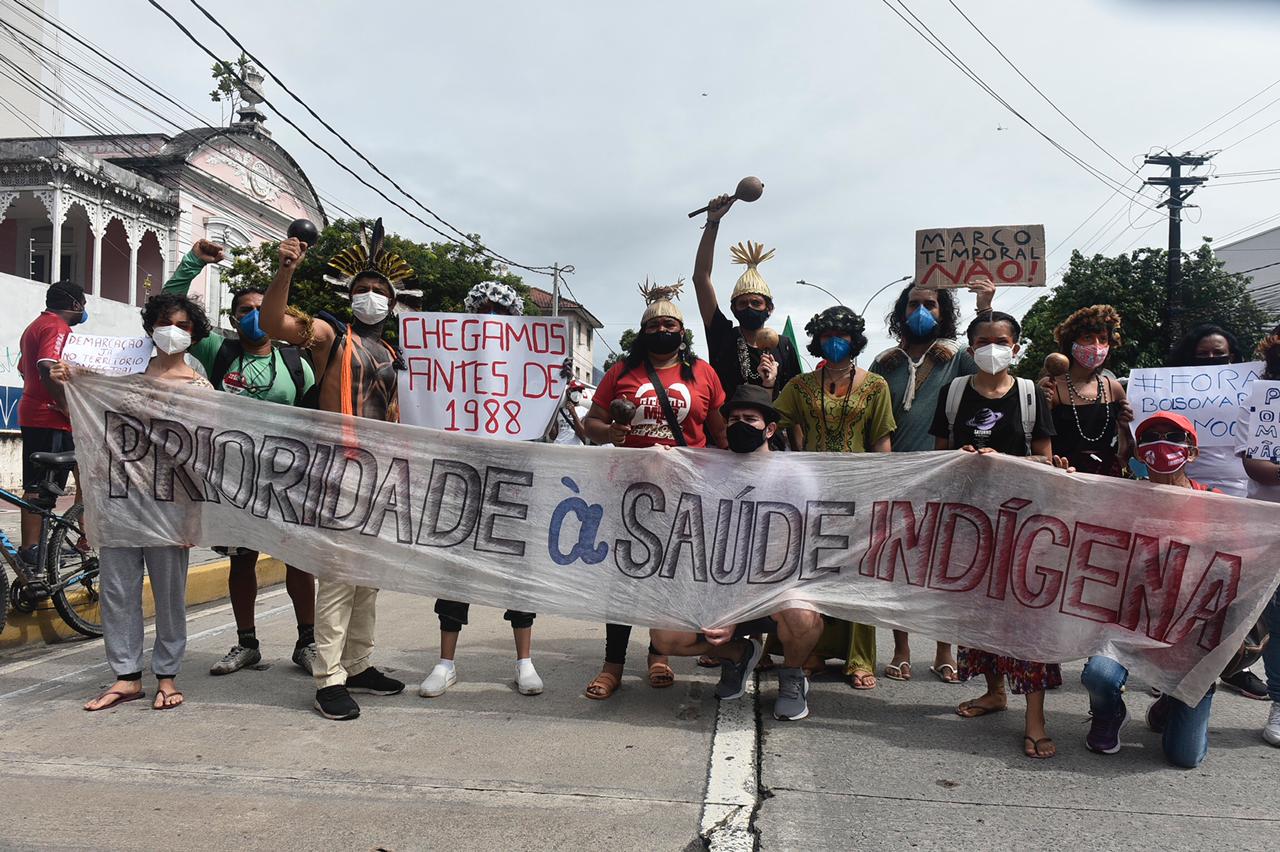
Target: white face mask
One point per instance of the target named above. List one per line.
(993, 357)
(369, 307)
(171, 340)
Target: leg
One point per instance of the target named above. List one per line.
(1036, 742)
(862, 657)
(1104, 678)
(120, 590)
(1033, 679)
(453, 615)
(1185, 740)
(1271, 653)
(301, 587)
(944, 663)
(660, 674)
(799, 631)
(975, 662)
(901, 654)
(359, 645)
(242, 583)
(333, 615)
(167, 567)
(603, 685)
(522, 631)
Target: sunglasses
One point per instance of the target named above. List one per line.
(1177, 436)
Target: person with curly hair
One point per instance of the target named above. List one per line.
(925, 360)
(840, 408)
(1089, 407)
(174, 323)
(1207, 345)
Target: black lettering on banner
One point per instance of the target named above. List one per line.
(173, 447)
(127, 442)
(202, 463)
(321, 461)
(335, 486)
(494, 507)
(393, 496)
(275, 480)
(737, 569)
(246, 454)
(447, 478)
(793, 521)
(816, 541)
(622, 548)
(686, 530)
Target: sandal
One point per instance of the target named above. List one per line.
(661, 676)
(706, 661)
(858, 680)
(940, 672)
(902, 671)
(120, 698)
(971, 709)
(1035, 748)
(603, 686)
(164, 700)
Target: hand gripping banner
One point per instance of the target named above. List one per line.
(993, 552)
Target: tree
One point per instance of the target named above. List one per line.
(227, 76)
(628, 339)
(1134, 284)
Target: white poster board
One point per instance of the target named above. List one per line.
(111, 356)
(1209, 396)
(1263, 440)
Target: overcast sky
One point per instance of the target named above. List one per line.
(583, 132)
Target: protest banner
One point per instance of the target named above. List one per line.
(483, 374)
(1209, 396)
(1262, 441)
(994, 552)
(1010, 255)
(111, 356)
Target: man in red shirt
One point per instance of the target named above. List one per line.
(45, 427)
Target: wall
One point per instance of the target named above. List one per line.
(1250, 253)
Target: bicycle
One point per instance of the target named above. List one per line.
(65, 572)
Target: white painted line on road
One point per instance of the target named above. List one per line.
(731, 777)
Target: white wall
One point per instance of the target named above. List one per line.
(1250, 253)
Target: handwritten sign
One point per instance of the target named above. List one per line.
(1010, 255)
(1209, 396)
(111, 356)
(482, 374)
(1263, 440)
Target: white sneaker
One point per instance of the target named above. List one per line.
(441, 678)
(527, 680)
(1271, 733)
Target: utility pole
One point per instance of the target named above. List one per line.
(555, 289)
(1175, 181)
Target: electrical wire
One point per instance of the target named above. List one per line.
(1240, 105)
(1250, 136)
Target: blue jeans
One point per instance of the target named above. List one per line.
(1271, 654)
(1185, 739)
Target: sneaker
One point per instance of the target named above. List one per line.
(334, 702)
(441, 678)
(1104, 732)
(733, 676)
(236, 659)
(304, 657)
(527, 680)
(1271, 733)
(1158, 714)
(1247, 684)
(373, 682)
(793, 694)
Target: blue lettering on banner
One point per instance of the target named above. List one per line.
(9, 407)
(589, 517)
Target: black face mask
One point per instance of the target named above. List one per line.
(750, 318)
(1273, 363)
(1207, 360)
(662, 342)
(743, 437)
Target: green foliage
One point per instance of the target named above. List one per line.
(628, 339)
(227, 75)
(1134, 284)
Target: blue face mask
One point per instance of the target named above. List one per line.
(249, 328)
(836, 349)
(922, 322)
(84, 318)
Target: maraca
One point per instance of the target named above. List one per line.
(622, 410)
(1055, 364)
(766, 338)
(304, 230)
(749, 189)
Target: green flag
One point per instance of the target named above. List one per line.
(790, 334)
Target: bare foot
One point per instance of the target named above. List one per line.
(121, 690)
(167, 695)
(863, 679)
(988, 702)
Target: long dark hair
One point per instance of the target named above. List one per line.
(949, 311)
(638, 352)
(1183, 354)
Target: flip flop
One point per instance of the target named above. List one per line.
(975, 709)
(858, 680)
(940, 673)
(1035, 747)
(898, 672)
(165, 696)
(121, 698)
(706, 661)
(602, 686)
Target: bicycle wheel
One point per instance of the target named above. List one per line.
(4, 594)
(73, 575)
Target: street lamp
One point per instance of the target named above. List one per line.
(869, 301)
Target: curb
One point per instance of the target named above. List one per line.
(205, 584)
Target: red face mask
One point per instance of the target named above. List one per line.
(1163, 456)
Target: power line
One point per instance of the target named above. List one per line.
(1262, 108)
(1250, 136)
(1252, 97)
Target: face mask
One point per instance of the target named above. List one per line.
(1091, 356)
(922, 322)
(750, 318)
(1163, 456)
(1209, 360)
(249, 328)
(171, 340)
(743, 437)
(370, 307)
(662, 342)
(84, 317)
(993, 358)
(836, 349)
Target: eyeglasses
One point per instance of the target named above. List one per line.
(1177, 436)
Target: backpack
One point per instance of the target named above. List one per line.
(1026, 403)
(233, 349)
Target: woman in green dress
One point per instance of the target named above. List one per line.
(840, 408)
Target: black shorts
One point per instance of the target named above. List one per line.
(39, 439)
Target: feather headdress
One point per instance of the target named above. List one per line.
(750, 282)
(658, 300)
(370, 255)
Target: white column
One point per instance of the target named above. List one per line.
(55, 245)
(98, 228)
(134, 235)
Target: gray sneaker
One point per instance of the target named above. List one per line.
(793, 694)
(236, 659)
(305, 658)
(733, 676)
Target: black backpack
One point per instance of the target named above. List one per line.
(291, 355)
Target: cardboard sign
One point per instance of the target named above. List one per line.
(111, 356)
(1263, 439)
(1209, 396)
(1010, 255)
(483, 374)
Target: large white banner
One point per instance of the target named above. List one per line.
(483, 374)
(1209, 396)
(994, 552)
